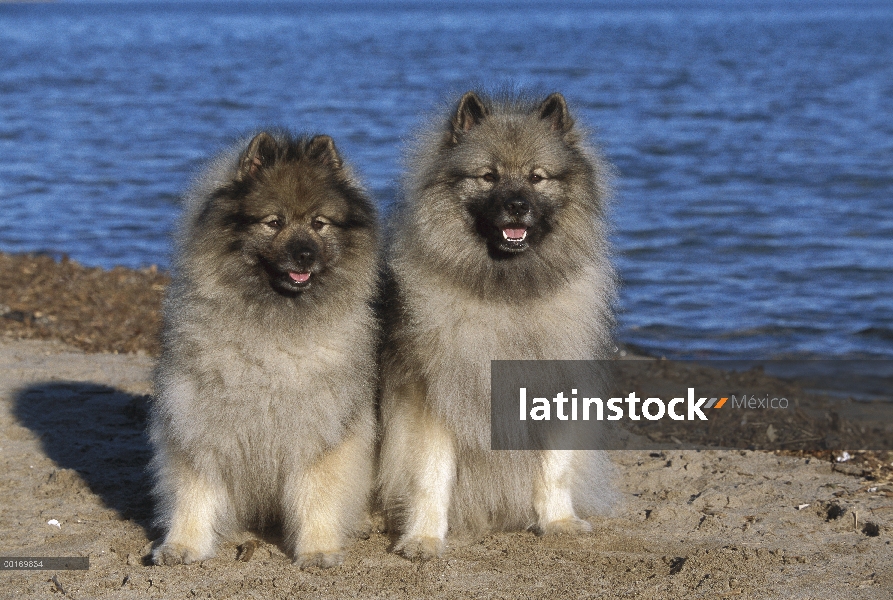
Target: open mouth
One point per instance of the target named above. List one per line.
(514, 234)
(505, 236)
(293, 281)
(299, 278)
(514, 239)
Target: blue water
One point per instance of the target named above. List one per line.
(754, 212)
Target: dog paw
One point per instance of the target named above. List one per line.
(571, 526)
(246, 550)
(419, 548)
(366, 528)
(168, 554)
(322, 560)
(374, 522)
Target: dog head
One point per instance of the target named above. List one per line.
(291, 219)
(512, 168)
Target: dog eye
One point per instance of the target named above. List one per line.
(536, 178)
(273, 222)
(490, 177)
(318, 223)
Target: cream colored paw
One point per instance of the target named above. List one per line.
(571, 526)
(419, 548)
(323, 560)
(168, 554)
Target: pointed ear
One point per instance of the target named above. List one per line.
(260, 154)
(554, 110)
(470, 111)
(322, 148)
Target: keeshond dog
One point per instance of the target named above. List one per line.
(498, 250)
(264, 416)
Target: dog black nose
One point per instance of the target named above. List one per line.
(516, 207)
(304, 253)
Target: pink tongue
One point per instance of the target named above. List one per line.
(299, 277)
(513, 233)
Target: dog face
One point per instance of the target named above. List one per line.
(509, 172)
(292, 220)
(508, 208)
(507, 198)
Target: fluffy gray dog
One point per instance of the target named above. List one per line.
(499, 251)
(265, 389)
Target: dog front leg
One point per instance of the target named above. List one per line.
(194, 503)
(418, 472)
(552, 497)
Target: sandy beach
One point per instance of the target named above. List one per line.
(693, 524)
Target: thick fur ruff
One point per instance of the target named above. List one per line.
(498, 250)
(265, 388)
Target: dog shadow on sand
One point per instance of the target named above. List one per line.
(97, 436)
(99, 432)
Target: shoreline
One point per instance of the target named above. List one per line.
(117, 311)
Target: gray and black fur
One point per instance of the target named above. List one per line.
(265, 388)
(498, 250)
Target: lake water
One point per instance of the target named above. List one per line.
(754, 141)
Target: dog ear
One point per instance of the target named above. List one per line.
(260, 154)
(470, 111)
(322, 148)
(554, 110)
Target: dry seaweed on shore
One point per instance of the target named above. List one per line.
(813, 421)
(91, 308)
(822, 427)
